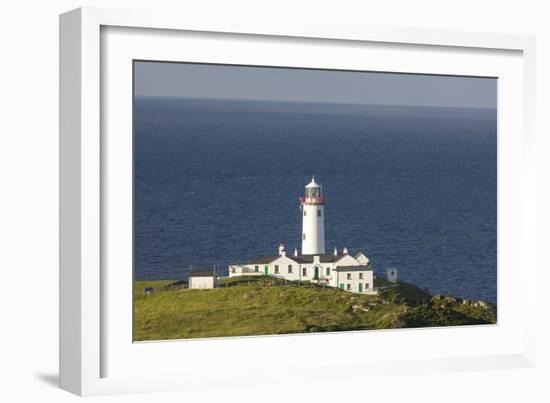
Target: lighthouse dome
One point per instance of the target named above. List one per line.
(312, 184)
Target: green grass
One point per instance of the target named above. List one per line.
(382, 282)
(264, 281)
(140, 285)
(404, 294)
(250, 280)
(254, 306)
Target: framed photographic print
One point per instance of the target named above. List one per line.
(243, 199)
(226, 199)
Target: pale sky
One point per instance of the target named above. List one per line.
(285, 84)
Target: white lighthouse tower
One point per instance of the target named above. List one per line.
(313, 216)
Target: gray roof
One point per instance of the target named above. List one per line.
(264, 259)
(325, 258)
(362, 267)
(298, 259)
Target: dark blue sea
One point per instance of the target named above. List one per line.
(218, 181)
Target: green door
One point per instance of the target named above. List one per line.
(360, 287)
(342, 286)
(316, 276)
(266, 270)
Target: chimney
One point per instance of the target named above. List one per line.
(282, 251)
(335, 251)
(295, 251)
(345, 251)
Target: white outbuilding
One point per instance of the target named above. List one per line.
(391, 274)
(202, 280)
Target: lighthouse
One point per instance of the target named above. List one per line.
(313, 220)
(340, 270)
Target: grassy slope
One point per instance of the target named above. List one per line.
(257, 308)
(140, 285)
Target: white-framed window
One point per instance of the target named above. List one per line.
(276, 269)
(348, 276)
(360, 276)
(290, 268)
(256, 268)
(366, 286)
(304, 272)
(348, 287)
(328, 271)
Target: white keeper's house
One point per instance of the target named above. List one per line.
(337, 269)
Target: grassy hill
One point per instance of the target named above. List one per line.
(264, 305)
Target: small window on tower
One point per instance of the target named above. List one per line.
(304, 236)
(318, 212)
(305, 213)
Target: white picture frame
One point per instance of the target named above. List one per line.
(96, 359)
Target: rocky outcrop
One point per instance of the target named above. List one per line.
(443, 301)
